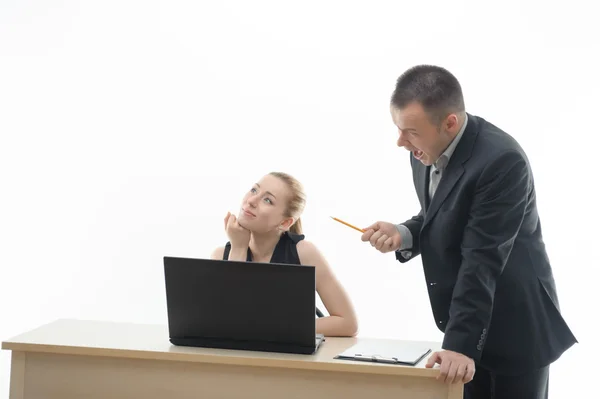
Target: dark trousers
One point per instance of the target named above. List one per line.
(489, 385)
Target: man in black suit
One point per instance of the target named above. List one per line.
(489, 279)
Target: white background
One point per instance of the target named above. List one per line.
(129, 128)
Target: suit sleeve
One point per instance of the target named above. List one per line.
(409, 231)
(497, 212)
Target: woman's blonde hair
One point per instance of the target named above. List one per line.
(297, 201)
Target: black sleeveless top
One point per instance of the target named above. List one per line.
(285, 252)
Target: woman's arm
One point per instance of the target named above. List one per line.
(238, 255)
(342, 321)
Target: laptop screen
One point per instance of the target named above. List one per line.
(242, 301)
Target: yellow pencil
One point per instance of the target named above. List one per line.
(347, 224)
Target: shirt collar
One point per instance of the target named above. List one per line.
(443, 160)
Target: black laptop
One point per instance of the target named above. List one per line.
(241, 305)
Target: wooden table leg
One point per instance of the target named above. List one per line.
(17, 375)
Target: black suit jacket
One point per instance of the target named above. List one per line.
(490, 282)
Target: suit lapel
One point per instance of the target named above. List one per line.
(454, 170)
(423, 184)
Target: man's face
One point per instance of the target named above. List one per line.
(419, 135)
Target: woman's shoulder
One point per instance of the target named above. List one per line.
(219, 252)
(307, 250)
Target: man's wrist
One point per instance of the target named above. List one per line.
(406, 238)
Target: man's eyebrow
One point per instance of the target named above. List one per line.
(409, 130)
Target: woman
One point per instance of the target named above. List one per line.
(268, 230)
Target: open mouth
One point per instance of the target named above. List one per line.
(418, 154)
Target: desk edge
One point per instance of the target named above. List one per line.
(333, 366)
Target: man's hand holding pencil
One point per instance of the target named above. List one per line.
(383, 236)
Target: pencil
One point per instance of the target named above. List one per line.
(347, 224)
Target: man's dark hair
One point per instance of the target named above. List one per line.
(435, 88)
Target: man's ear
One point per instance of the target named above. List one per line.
(452, 123)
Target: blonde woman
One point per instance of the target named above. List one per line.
(268, 230)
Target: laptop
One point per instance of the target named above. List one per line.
(226, 304)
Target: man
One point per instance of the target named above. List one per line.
(489, 279)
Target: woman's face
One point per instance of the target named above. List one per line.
(264, 205)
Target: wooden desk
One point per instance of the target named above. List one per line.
(89, 359)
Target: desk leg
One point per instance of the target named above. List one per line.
(17, 375)
(455, 391)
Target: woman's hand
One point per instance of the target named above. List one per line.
(239, 237)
